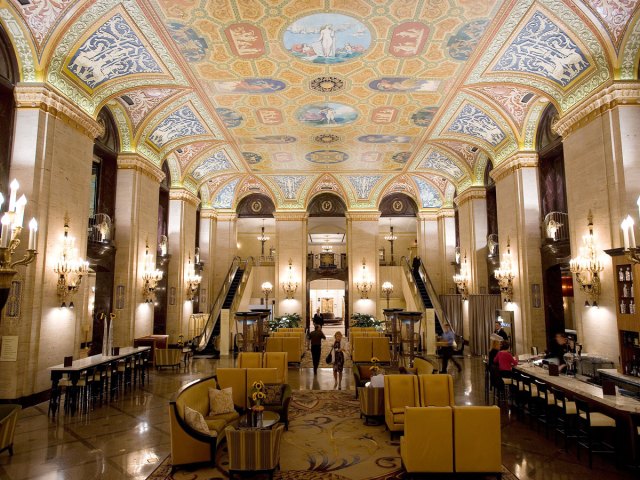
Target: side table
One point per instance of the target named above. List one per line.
(371, 404)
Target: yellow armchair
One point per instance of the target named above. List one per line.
(477, 439)
(400, 391)
(436, 390)
(236, 378)
(427, 443)
(279, 361)
(8, 419)
(361, 349)
(249, 360)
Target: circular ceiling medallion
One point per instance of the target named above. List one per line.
(327, 38)
(252, 158)
(326, 138)
(327, 84)
(326, 156)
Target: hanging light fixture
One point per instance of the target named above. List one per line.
(326, 248)
(391, 237)
(462, 279)
(192, 280)
(150, 276)
(505, 274)
(289, 285)
(70, 268)
(262, 238)
(588, 265)
(364, 285)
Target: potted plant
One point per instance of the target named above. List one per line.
(288, 320)
(364, 320)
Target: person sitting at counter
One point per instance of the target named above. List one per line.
(558, 350)
(505, 360)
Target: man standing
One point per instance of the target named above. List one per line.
(498, 330)
(315, 338)
(447, 351)
(317, 319)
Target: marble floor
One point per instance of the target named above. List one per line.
(130, 436)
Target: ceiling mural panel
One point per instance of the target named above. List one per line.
(437, 161)
(363, 184)
(139, 103)
(217, 162)
(474, 122)
(514, 100)
(430, 197)
(226, 195)
(42, 16)
(615, 16)
(188, 152)
(181, 123)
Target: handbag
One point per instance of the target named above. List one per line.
(329, 358)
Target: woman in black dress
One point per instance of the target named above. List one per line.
(340, 349)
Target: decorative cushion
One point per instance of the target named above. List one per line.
(195, 420)
(273, 392)
(220, 401)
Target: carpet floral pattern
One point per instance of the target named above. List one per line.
(307, 361)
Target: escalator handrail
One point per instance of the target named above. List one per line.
(216, 307)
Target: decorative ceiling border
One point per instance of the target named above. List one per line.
(125, 129)
(354, 201)
(93, 15)
(22, 45)
(630, 53)
(426, 150)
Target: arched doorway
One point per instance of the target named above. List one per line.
(8, 78)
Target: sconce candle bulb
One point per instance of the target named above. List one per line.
(505, 274)
(69, 267)
(588, 265)
(289, 285)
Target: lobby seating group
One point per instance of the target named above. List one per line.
(290, 342)
(365, 345)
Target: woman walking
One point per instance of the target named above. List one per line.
(340, 348)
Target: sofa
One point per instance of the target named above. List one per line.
(189, 446)
(8, 420)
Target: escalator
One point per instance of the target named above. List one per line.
(426, 299)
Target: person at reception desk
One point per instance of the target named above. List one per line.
(557, 351)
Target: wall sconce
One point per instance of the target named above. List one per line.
(262, 238)
(289, 285)
(9, 241)
(69, 267)
(193, 280)
(457, 255)
(588, 265)
(364, 285)
(630, 249)
(150, 276)
(462, 279)
(505, 274)
(387, 290)
(267, 288)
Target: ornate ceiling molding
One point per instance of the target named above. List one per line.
(134, 161)
(473, 193)
(517, 162)
(287, 216)
(208, 213)
(39, 95)
(362, 216)
(184, 195)
(429, 216)
(620, 93)
(22, 45)
(446, 213)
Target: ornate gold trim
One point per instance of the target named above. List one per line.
(472, 193)
(430, 216)
(446, 213)
(362, 216)
(41, 96)
(133, 161)
(619, 93)
(208, 213)
(513, 163)
(290, 216)
(226, 216)
(184, 195)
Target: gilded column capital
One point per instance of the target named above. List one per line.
(208, 213)
(472, 193)
(446, 213)
(287, 216)
(610, 96)
(364, 216)
(43, 97)
(428, 216)
(226, 216)
(134, 161)
(515, 162)
(183, 195)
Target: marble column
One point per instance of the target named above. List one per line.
(52, 155)
(518, 203)
(223, 246)
(602, 169)
(362, 246)
(447, 248)
(472, 222)
(429, 247)
(181, 239)
(291, 245)
(207, 243)
(136, 215)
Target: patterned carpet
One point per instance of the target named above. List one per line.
(307, 361)
(326, 440)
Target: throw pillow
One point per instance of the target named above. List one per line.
(273, 392)
(220, 401)
(195, 420)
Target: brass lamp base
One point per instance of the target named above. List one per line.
(6, 276)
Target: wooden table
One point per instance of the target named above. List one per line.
(82, 365)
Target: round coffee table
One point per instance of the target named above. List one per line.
(269, 419)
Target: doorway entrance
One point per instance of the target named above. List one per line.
(327, 295)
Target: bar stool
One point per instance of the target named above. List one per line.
(545, 405)
(566, 413)
(592, 426)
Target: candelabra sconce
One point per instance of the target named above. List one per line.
(262, 238)
(70, 268)
(150, 277)
(267, 288)
(630, 249)
(364, 285)
(462, 279)
(192, 280)
(10, 240)
(289, 285)
(505, 275)
(387, 290)
(587, 266)
(391, 237)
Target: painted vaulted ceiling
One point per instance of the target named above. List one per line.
(361, 97)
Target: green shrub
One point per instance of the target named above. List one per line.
(288, 320)
(364, 320)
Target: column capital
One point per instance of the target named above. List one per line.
(208, 213)
(224, 216)
(363, 216)
(472, 193)
(43, 97)
(609, 97)
(286, 216)
(446, 213)
(515, 162)
(183, 195)
(430, 216)
(134, 161)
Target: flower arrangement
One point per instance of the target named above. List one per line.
(364, 320)
(257, 395)
(374, 369)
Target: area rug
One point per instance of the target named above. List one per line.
(327, 440)
(307, 361)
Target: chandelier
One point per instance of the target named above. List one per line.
(391, 237)
(364, 285)
(262, 238)
(505, 274)
(192, 280)
(387, 290)
(150, 276)
(70, 268)
(289, 285)
(10, 239)
(462, 279)
(588, 265)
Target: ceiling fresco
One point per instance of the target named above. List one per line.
(293, 97)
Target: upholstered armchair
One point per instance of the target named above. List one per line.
(168, 357)
(278, 360)
(281, 407)
(8, 419)
(250, 360)
(436, 390)
(477, 439)
(252, 450)
(361, 375)
(427, 443)
(400, 391)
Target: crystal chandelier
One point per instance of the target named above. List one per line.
(462, 279)
(289, 285)
(70, 268)
(364, 285)
(193, 280)
(150, 276)
(505, 274)
(587, 267)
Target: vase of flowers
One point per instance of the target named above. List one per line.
(376, 372)
(257, 396)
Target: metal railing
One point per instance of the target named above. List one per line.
(555, 226)
(100, 228)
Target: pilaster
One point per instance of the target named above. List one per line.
(429, 247)
(472, 221)
(362, 245)
(447, 248)
(291, 244)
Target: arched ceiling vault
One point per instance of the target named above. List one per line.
(361, 98)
